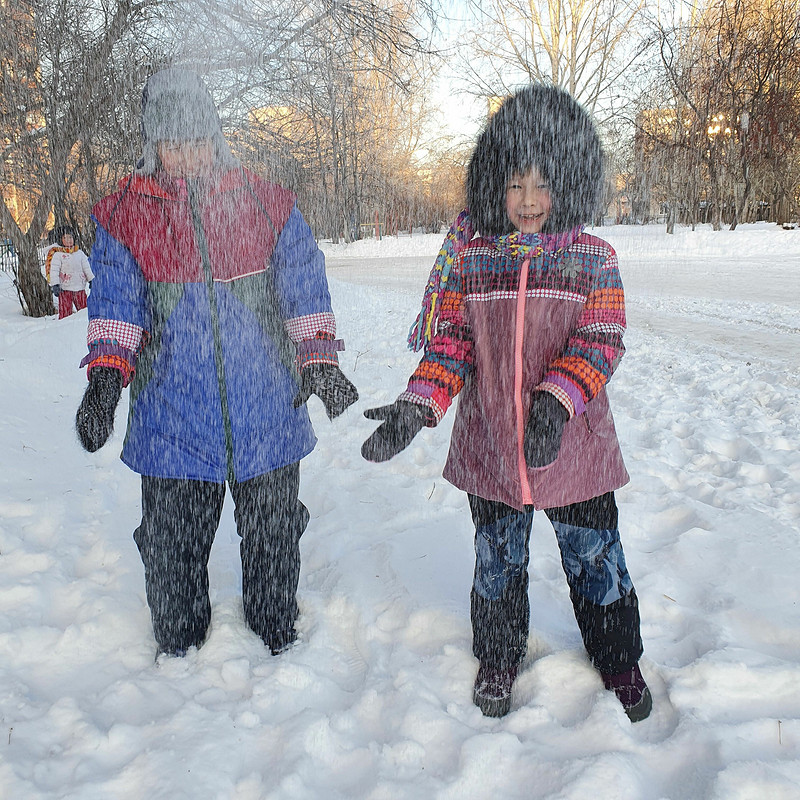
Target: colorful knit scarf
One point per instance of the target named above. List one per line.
(458, 237)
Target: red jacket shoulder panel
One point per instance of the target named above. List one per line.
(238, 215)
(276, 200)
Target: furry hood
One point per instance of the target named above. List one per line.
(545, 127)
(177, 106)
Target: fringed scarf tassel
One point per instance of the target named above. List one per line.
(458, 237)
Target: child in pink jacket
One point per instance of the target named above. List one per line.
(525, 321)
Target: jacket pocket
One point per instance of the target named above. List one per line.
(597, 418)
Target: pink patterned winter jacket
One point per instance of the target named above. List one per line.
(495, 346)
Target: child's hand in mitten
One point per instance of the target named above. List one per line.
(402, 421)
(329, 383)
(544, 430)
(95, 418)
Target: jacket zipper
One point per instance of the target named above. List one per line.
(527, 498)
(205, 260)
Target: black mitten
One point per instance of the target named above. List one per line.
(544, 429)
(56, 289)
(95, 418)
(329, 383)
(402, 421)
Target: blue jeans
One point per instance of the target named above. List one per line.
(601, 589)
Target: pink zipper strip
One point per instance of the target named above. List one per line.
(518, 341)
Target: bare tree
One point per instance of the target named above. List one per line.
(320, 95)
(584, 47)
(730, 81)
(63, 74)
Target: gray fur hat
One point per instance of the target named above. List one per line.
(176, 107)
(544, 127)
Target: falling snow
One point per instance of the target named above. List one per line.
(374, 701)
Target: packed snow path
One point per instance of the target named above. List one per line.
(375, 700)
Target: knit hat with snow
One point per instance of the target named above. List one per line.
(177, 107)
(543, 127)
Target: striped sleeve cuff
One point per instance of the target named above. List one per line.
(566, 394)
(116, 362)
(435, 401)
(322, 349)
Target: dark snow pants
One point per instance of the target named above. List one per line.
(601, 590)
(179, 521)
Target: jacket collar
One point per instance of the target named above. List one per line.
(164, 187)
(535, 243)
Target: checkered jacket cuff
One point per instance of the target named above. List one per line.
(310, 326)
(112, 330)
(432, 404)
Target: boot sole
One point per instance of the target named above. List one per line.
(492, 706)
(642, 709)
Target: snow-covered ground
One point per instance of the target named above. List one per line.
(375, 700)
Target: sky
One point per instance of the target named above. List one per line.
(457, 114)
(374, 702)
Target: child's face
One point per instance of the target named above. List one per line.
(190, 159)
(527, 201)
(67, 240)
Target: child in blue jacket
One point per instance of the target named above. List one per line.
(210, 302)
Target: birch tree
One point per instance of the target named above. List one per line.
(584, 47)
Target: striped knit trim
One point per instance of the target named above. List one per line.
(562, 395)
(107, 348)
(547, 294)
(322, 349)
(321, 344)
(592, 249)
(304, 359)
(612, 328)
(436, 411)
(116, 362)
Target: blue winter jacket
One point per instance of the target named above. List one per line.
(222, 287)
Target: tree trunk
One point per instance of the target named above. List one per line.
(33, 288)
(671, 214)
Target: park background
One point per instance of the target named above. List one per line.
(368, 109)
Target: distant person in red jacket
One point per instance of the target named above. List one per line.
(68, 271)
(525, 321)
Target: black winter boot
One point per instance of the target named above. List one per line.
(492, 692)
(631, 690)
